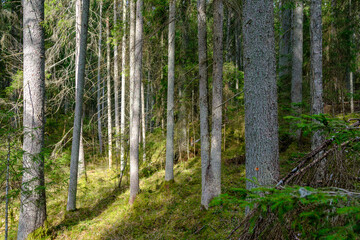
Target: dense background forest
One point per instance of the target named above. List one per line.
(180, 119)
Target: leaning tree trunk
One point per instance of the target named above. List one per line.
(116, 85)
(203, 98)
(123, 80)
(80, 64)
(316, 72)
(212, 175)
(297, 58)
(99, 83)
(33, 201)
(135, 120)
(169, 168)
(261, 121)
(109, 93)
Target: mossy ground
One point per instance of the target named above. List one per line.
(161, 210)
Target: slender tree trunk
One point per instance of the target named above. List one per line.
(7, 190)
(351, 74)
(285, 42)
(116, 85)
(135, 120)
(228, 22)
(316, 66)
(109, 120)
(33, 202)
(132, 53)
(316, 85)
(212, 174)
(80, 78)
(297, 58)
(203, 99)
(169, 168)
(81, 165)
(123, 80)
(143, 120)
(99, 83)
(261, 121)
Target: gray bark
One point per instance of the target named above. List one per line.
(81, 165)
(80, 64)
(116, 86)
(261, 121)
(33, 202)
(99, 82)
(316, 66)
(203, 100)
(212, 174)
(109, 120)
(7, 190)
(143, 120)
(285, 40)
(169, 167)
(132, 52)
(135, 120)
(297, 57)
(123, 80)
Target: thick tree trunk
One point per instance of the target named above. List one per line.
(99, 83)
(123, 80)
(261, 121)
(71, 203)
(109, 120)
(212, 175)
(169, 168)
(135, 120)
(116, 86)
(297, 58)
(33, 201)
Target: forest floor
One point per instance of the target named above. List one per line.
(161, 211)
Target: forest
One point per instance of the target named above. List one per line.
(180, 119)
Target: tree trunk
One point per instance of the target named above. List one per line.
(81, 165)
(116, 85)
(169, 168)
(203, 99)
(285, 41)
(297, 58)
(316, 66)
(109, 120)
(80, 78)
(99, 83)
(33, 202)
(135, 120)
(212, 174)
(143, 120)
(261, 121)
(123, 80)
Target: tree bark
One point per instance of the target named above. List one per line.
(212, 174)
(116, 85)
(203, 98)
(109, 120)
(316, 66)
(169, 167)
(261, 121)
(99, 82)
(123, 81)
(135, 120)
(33, 201)
(297, 58)
(71, 203)
(285, 41)
(143, 120)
